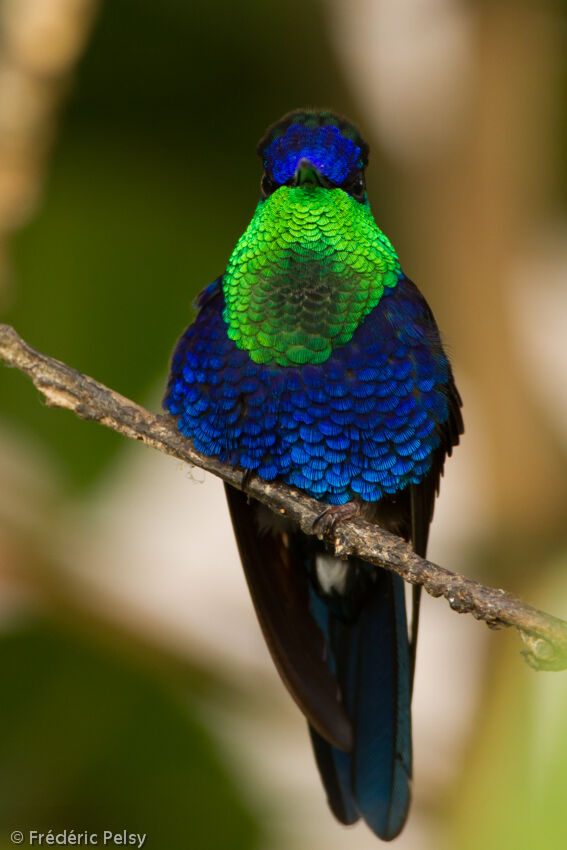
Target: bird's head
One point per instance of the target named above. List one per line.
(312, 263)
(308, 148)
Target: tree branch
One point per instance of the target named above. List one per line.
(545, 636)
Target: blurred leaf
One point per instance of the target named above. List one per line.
(89, 742)
(512, 792)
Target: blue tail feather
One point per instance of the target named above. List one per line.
(370, 659)
(334, 764)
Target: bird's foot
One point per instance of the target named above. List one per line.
(326, 522)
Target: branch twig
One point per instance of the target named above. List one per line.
(545, 636)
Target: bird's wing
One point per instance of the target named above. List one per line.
(280, 593)
(422, 495)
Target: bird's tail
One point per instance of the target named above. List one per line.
(370, 659)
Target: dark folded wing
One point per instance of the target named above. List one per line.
(280, 593)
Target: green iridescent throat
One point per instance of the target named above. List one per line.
(308, 269)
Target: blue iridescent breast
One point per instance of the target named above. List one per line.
(362, 424)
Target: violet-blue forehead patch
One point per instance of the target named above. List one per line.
(325, 147)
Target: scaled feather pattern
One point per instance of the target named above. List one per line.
(362, 424)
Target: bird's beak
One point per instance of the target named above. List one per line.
(307, 174)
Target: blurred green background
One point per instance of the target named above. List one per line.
(137, 175)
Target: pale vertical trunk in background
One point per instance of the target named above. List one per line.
(495, 202)
(464, 101)
(40, 43)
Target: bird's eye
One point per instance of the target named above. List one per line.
(268, 185)
(357, 187)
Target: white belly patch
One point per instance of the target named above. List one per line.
(331, 573)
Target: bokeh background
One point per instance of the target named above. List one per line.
(136, 690)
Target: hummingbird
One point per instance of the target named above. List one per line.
(315, 361)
